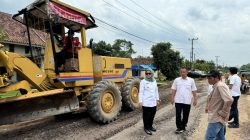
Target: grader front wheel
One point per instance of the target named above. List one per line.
(107, 101)
(130, 93)
(104, 102)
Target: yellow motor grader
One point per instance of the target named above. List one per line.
(73, 78)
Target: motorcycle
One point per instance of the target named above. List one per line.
(245, 87)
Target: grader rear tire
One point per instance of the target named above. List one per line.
(104, 102)
(130, 93)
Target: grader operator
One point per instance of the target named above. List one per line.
(99, 85)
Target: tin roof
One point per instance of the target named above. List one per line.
(143, 67)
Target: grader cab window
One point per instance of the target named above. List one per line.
(119, 66)
(68, 56)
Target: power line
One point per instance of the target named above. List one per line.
(147, 50)
(176, 29)
(140, 15)
(141, 45)
(140, 21)
(131, 34)
(135, 18)
(111, 29)
(108, 28)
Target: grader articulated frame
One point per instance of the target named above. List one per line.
(100, 84)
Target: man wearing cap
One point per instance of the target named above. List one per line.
(219, 102)
(183, 89)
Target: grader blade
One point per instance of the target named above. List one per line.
(37, 105)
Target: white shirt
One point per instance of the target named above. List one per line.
(148, 94)
(236, 82)
(210, 89)
(184, 88)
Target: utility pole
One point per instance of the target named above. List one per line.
(192, 51)
(190, 61)
(217, 61)
(194, 62)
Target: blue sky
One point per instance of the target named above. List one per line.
(223, 27)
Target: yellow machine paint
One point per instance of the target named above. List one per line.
(112, 68)
(100, 84)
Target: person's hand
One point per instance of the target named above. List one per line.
(158, 103)
(206, 110)
(195, 102)
(172, 101)
(140, 105)
(227, 118)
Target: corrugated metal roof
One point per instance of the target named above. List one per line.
(143, 67)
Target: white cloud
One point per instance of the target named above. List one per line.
(223, 27)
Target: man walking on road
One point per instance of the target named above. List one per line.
(183, 89)
(234, 86)
(219, 102)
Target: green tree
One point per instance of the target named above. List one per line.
(166, 60)
(211, 65)
(102, 48)
(204, 65)
(122, 48)
(186, 63)
(245, 67)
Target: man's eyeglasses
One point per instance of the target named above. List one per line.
(148, 73)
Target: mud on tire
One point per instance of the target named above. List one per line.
(104, 102)
(130, 93)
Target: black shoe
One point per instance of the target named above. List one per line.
(148, 132)
(178, 131)
(231, 122)
(184, 129)
(153, 129)
(233, 125)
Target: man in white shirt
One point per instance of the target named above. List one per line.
(183, 89)
(234, 86)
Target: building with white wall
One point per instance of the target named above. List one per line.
(16, 39)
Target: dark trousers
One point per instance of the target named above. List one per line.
(182, 113)
(234, 114)
(148, 116)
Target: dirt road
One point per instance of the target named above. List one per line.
(76, 126)
(128, 126)
(242, 133)
(165, 123)
(196, 129)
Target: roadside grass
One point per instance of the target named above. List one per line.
(161, 83)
